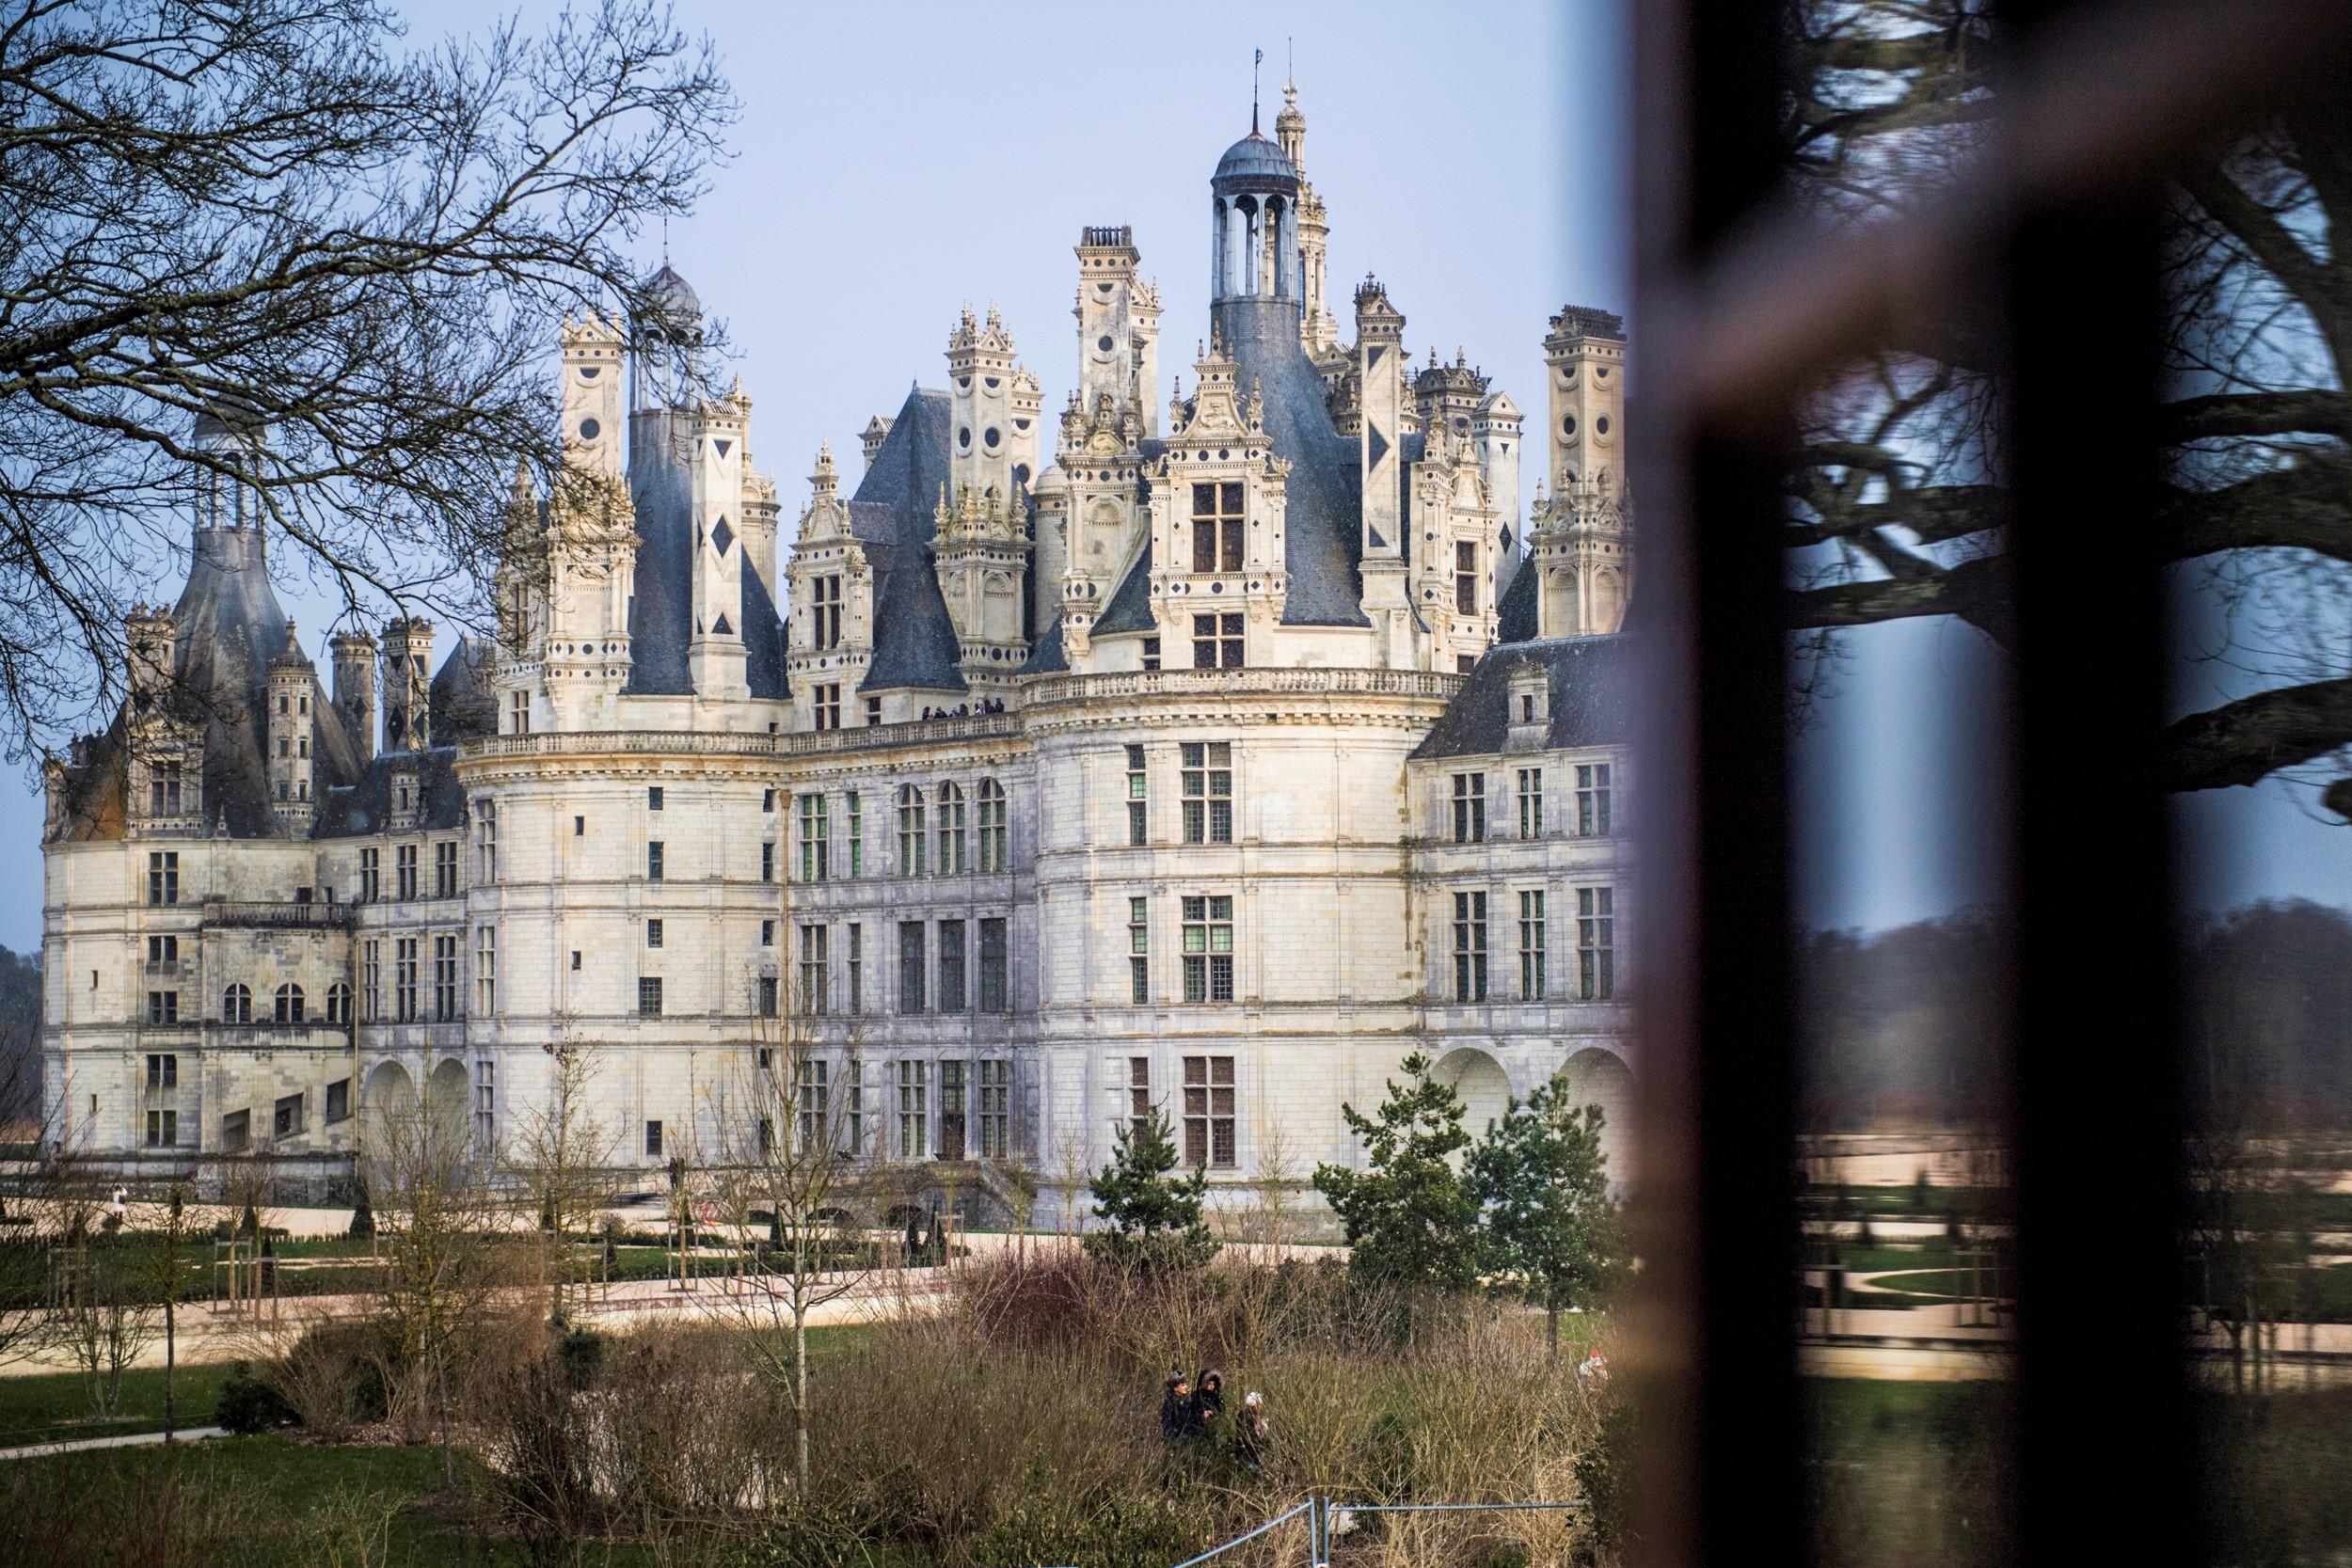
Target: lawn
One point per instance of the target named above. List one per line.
(54, 1407)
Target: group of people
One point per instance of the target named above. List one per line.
(962, 710)
(1193, 1411)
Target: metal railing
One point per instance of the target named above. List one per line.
(1322, 1510)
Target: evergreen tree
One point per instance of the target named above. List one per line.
(362, 1216)
(1540, 1183)
(1407, 1217)
(1153, 1223)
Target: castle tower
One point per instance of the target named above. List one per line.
(831, 583)
(167, 751)
(152, 633)
(982, 554)
(354, 658)
(715, 657)
(1109, 345)
(1448, 395)
(1381, 383)
(1495, 436)
(1253, 229)
(290, 725)
(981, 368)
(408, 685)
(230, 437)
(876, 431)
(1584, 362)
(592, 435)
(1318, 330)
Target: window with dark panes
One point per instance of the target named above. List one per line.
(1209, 1116)
(1216, 525)
(1218, 640)
(1207, 779)
(953, 997)
(995, 979)
(912, 979)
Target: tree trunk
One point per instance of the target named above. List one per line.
(799, 1385)
(172, 1368)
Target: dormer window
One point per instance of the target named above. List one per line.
(1531, 707)
(1216, 524)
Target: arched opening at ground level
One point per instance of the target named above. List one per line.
(1479, 1079)
(1596, 1077)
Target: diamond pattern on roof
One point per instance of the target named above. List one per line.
(721, 536)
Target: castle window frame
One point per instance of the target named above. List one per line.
(1595, 800)
(163, 878)
(1218, 512)
(163, 781)
(339, 1101)
(1208, 947)
(287, 1003)
(816, 836)
(812, 1090)
(485, 971)
(1533, 980)
(914, 1104)
(162, 1007)
(1139, 951)
(954, 860)
(996, 966)
(996, 1107)
(853, 832)
(854, 970)
(911, 978)
(1596, 944)
(1207, 789)
(1210, 1113)
(653, 933)
(405, 869)
(816, 974)
(873, 712)
(995, 838)
(1218, 640)
(912, 841)
(1139, 1095)
(486, 838)
(825, 704)
(286, 1120)
(1465, 577)
(1470, 808)
(653, 1138)
(486, 1125)
(655, 859)
(954, 1089)
(339, 1003)
(953, 993)
(649, 1004)
(370, 875)
(1469, 946)
(653, 798)
(372, 978)
(768, 860)
(1150, 653)
(825, 610)
(1530, 782)
(163, 1070)
(764, 999)
(1138, 798)
(236, 1003)
(445, 1007)
(444, 869)
(162, 1129)
(404, 979)
(236, 1132)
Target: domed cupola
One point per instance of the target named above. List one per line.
(1254, 223)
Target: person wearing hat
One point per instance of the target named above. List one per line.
(1249, 1429)
(1177, 1417)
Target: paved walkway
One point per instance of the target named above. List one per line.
(127, 1440)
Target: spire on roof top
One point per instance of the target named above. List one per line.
(1258, 59)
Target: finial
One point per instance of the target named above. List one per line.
(1290, 70)
(665, 239)
(1257, 59)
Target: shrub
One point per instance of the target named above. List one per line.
(249, 1406)
(334, 1376)
(581, 1354)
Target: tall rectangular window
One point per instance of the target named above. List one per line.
(768, 861)
(1216, 525)
(163, 1071)
(952, 1109)
(1531, 802)
(825, 610)
(1208, 1111)
(995, 987)
(815, 972)
(995, 1109)
(653, 1139)
(649, 998)
(163, 789)
(828, 706)
(162, 1129)
(1139, 1095)
(854, 1107)
(485, 1124)
(816, 839)
(1470, 808)
(914, 1105)
(486, 838)
(654, 860)
(405, 859)
(1596, 944)
(953, 997)
(653, 933)
(1216, 642)
(812, 1090)
(404, 979)
(370, 872)
(372, 980)
(1464, 577)
(913, 842)
(1139, 951)
(764, 999)
(1592, 804)
(1150, 653)
(485, 971)
(856, 975)
(162, 1007)
(1470, 947)
(857, 825)
(1209, 947)
(1139, 798)
(654, 798)
(445, 869)
(445, 977)
(163, 877)
(995, 836)
(1531, 944)
(1208, 791)
(911, 966)
(952, 859)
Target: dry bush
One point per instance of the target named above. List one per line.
(197, 1514)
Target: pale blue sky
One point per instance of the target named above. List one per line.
(892, 166)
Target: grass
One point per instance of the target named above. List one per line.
(54, 1407)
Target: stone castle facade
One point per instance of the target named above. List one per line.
(1245, 741)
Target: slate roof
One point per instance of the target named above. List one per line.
(1590, 682)
(914, 638)
(1130, 608)
(1322, 519)
(463, 702)
(662, 619)
(1515, 617)
(1046, 654)
(366, 806)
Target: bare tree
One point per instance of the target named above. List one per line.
(786, 1145)
(1898, 502)
(559, 1152)
(438, 1219)
(280, 215)
(103, 1321)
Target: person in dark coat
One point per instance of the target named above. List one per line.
(1178, 1419)
(1208, 1402)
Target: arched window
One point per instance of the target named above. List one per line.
(951, 853)
(993, 855)
(339, 1003)
(910, 830)
(236, 1004)
(290, 1003)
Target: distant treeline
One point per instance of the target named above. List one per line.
(1899, 1025)
(19, 1036)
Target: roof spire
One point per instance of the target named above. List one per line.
(1258, 59)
